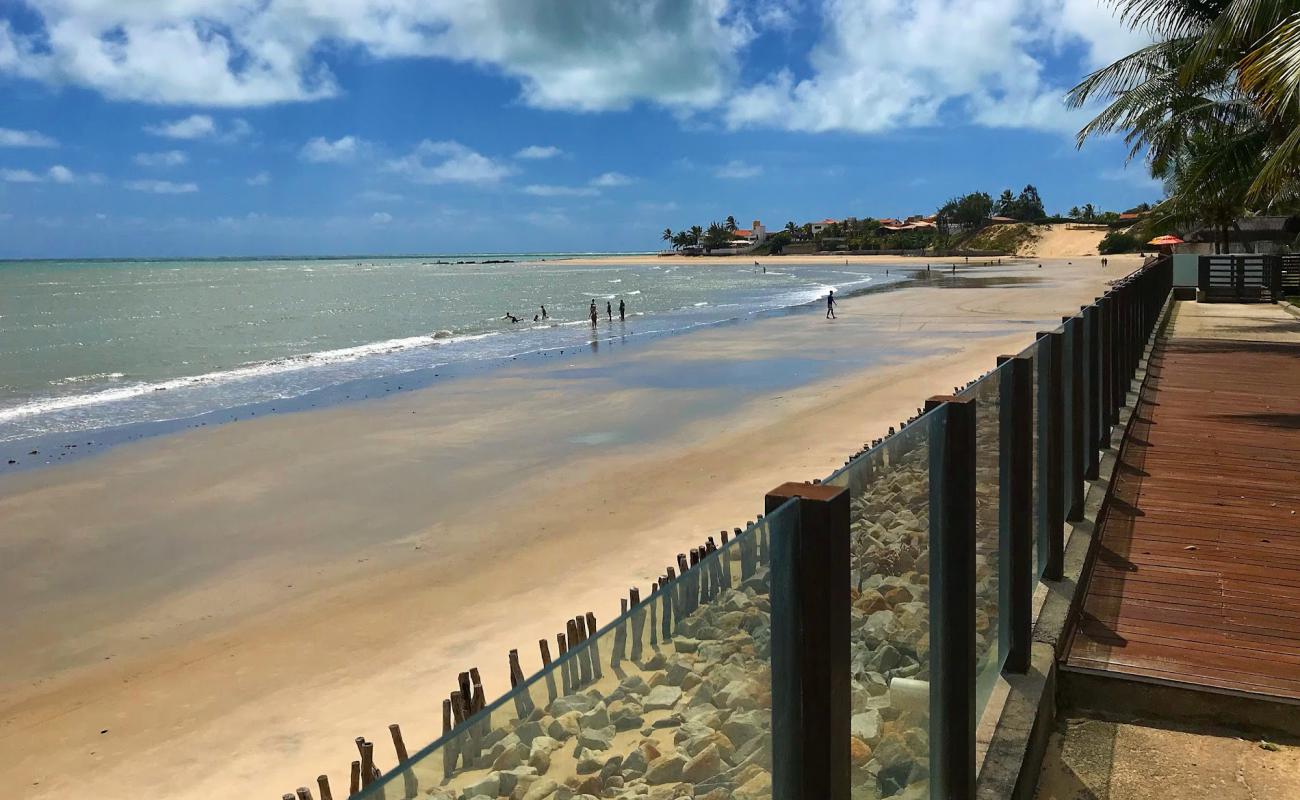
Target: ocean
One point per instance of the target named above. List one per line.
(90, 345)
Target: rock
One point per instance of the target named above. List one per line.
(866, 726)
(714, 739)
(511, 757)
(489, 785)
(588, 765)
(758, 787)
(670, 721)
(541, 789)
(634, 686)
(529, 731)
(870, 601)
(686, 645)
(540, 760)
(573, 702)
(738, 695)
(706, 764)
(745, 725)
(662, 698)
(510, 779)
(893, 778)
(859, 751)
(596, 738)
(565, 726)
(591, 785)
(677, 672)
(896, 594)
(598, 717)
(636, 761)
(649, 750)
(626, 715)
(665, 769)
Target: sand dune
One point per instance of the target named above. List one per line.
(1063, 241)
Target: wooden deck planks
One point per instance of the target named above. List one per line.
(1196, 580)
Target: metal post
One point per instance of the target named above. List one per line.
(1106, 309)
(811, 700)
(1051, 442)
(952, 602)
(1078, 411)
(1016, 510)
(1092, 331)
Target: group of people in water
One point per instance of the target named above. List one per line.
(595, 314)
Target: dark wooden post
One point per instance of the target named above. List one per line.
(952, 602)
(1051, 443)
(1092, 402)
(1078, 415)
(811, 701)
(323, 783)
(1016, 509)
(1107, 392)
(409, 782)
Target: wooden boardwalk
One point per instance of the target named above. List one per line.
(1196, 580)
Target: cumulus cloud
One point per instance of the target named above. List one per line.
(587, 54)
(879, 67)
(537, 152)
(260, 179)
(195, 126)
(55, 174)
(162, 187)
(12, 138)
(320, 150)
(20, 176)
(381, 218)
(165, 158)
(448, 162)
(545, 190)
(609, 180)
(738, 170)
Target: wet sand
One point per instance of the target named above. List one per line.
(219, 612)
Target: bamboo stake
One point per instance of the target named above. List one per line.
(354, 785)
(304, 793)
(550, 674)
(323, 783)
(409, 782)
(638, 622)
(595, 645)
(566, 667)
(620, 635)
(449, 748)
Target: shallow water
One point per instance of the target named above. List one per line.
(95, 344)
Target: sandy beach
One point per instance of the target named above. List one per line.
(218, 613)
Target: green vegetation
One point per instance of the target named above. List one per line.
(1213, 106)
(1006, 238)
(1118, 242)
(1026, 206)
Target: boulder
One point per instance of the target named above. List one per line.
(758, 787)
(662, 698)
(573, 702)
(665, 769)
(540, 789)
(596, 738)
(489, 785)
(565, 726)
(745, 725)
(866, 726)
(704, 765)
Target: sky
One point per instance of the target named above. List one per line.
(167, 128)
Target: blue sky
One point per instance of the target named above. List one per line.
(232, 127)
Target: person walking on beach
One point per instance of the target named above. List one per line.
(593, 313)
(622, 310)
(830, 305)
(609, 311)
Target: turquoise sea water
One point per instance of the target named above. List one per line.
(93, 344)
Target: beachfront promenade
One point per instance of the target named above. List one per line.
(1196, 580)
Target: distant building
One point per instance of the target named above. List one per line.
(818, 227)
(1003, 220)
(1264, 235)
(1132, 216)
(755, 234)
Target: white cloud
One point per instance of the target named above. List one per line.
(12, 138)
(381, 218)
(738, 170)
(878, 67)
(544, 190)
(165, 158)
(594, 55)
(61, 174)
(610, 179)
(537, 152)
(448, 162)
(55, 174)
(195, 126)
(162, 187)
(20, 176)
(260, 179)
(320, 150)
(376, 196)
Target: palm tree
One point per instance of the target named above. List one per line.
(1074, 212)
(668, 234)
(696, 233)
(730, 224)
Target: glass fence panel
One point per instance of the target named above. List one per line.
(989, 651)
(671, 699)
(890, 584)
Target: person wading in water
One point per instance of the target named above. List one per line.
(830, 305)
(622, 310)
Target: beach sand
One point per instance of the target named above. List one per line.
(218, 613)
